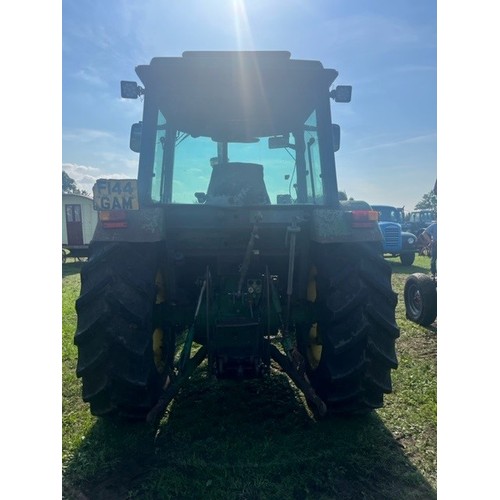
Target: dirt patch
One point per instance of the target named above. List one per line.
(421, 346)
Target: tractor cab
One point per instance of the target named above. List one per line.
(255, 130)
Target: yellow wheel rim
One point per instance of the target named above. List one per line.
(158, 349)
(314, 347)
(158, 334)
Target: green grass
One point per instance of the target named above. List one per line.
(257, 439)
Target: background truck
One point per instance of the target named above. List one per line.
(231, 248)
(396, 241)
(416, 221)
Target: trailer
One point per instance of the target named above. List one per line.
(79, 220)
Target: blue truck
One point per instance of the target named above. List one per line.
(397, 243)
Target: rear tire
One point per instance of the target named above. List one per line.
(356, 329)
(420, 296)
(117, 314)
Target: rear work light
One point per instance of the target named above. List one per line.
(113, 219)
(364, 218)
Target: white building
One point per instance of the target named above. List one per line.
(79, 220)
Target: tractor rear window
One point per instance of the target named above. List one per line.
(196, 162)
(284, 169)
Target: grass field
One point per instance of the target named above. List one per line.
(257, 439)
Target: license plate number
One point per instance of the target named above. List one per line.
(115, 194)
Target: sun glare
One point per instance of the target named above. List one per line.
(245, 42)
(241, 25)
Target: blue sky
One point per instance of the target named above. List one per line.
(385, 49)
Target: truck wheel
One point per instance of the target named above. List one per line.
(407, 259)
(350, 351)
(125, 349)
(420, 296)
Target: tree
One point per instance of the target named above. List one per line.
(69, 185)
(428, 202)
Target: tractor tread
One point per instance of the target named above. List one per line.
(115, 314)
(357, 327)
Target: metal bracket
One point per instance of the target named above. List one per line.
(299, 379)
(157, 412)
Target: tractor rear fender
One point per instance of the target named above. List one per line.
(328, 225)
(354, 222)
(135, 226)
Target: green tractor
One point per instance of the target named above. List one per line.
(231, 248)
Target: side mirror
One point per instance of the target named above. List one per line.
(135, 137)
(341, 93)
(130, 90)
(279, 141)
(336, 137)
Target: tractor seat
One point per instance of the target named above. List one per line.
(237, 183)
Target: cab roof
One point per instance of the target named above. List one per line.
(235, 95)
